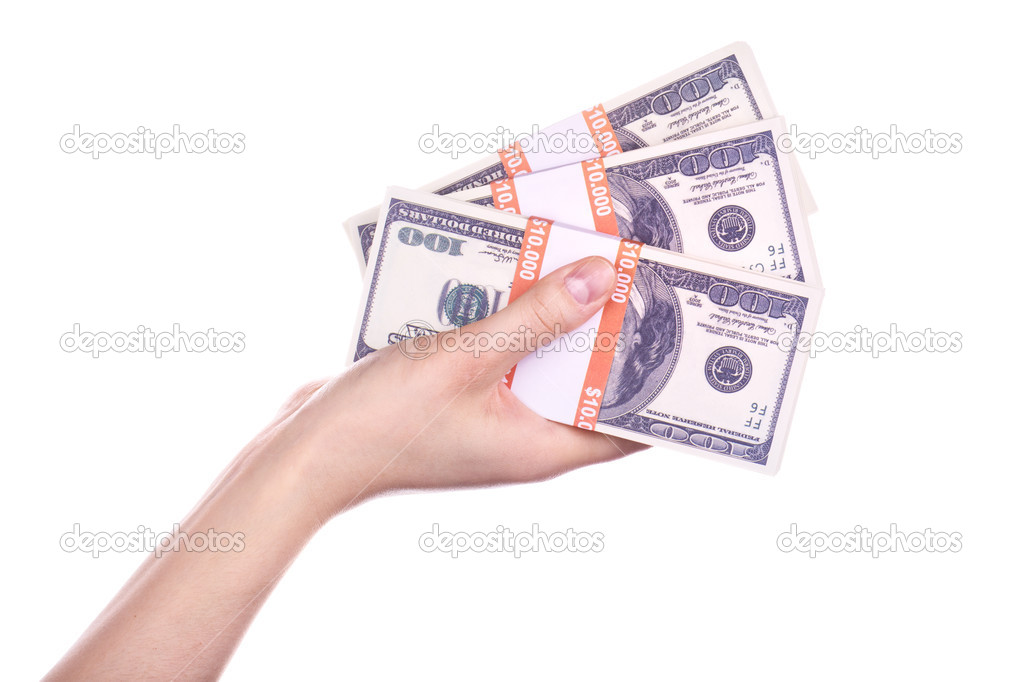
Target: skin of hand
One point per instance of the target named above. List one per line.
(409, 416)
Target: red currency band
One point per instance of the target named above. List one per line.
(506, 197)
(599, 195)
(514, 160)
(601, 131)
(527, 269)
(591, 396)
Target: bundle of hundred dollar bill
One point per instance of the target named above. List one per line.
(685, 191)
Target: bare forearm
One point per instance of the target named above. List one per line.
(182, 615)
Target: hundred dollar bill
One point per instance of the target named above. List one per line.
(721, 90)
(699, 361)
(727, 196)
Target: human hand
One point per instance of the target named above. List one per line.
(391, 422)
(410, 417)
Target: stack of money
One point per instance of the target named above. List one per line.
(685, 191)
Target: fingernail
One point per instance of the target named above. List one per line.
(590, 280)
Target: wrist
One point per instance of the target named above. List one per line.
(263, 496)
(326, 471)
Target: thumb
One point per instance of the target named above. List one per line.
(555, 305)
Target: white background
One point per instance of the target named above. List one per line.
(332, 101)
